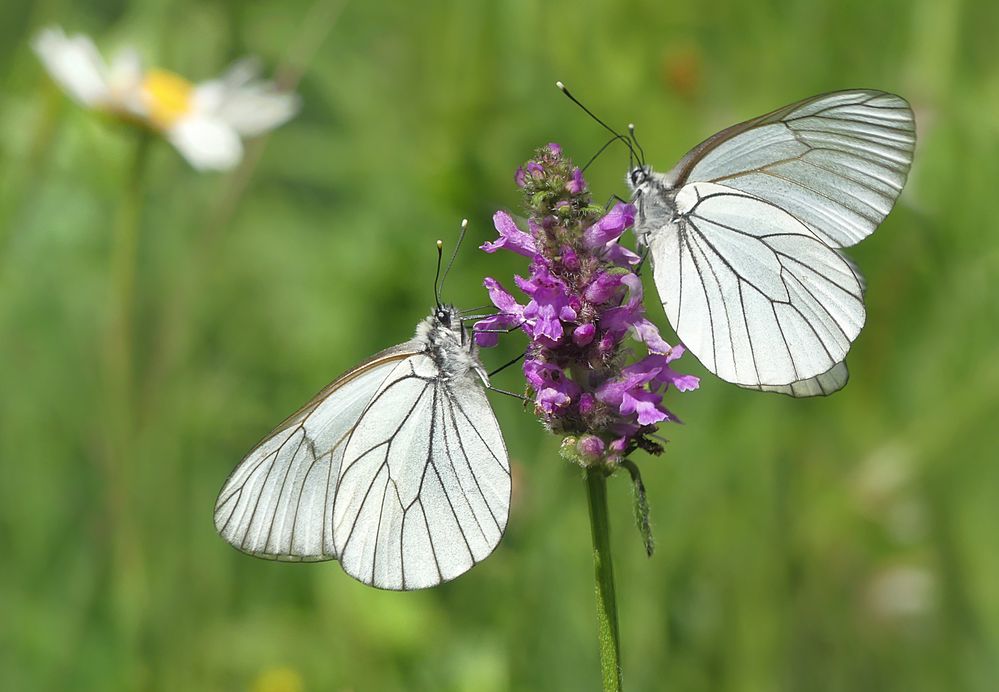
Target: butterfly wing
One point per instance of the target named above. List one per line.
(752, 291)
(828, 382)
(821, 385)
(837, 162)
(424, 490)
(278, 502)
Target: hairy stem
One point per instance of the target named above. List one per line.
(603, 569)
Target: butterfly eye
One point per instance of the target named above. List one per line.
(444, 317)
(637, 176)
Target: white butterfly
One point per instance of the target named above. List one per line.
(397, 469)
(744, 234)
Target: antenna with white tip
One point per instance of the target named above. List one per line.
(632, 155)
(631, 134)
(437, 276)
(439, 286)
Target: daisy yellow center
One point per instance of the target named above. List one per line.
(167, 96)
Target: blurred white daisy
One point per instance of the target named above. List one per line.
(206, 122)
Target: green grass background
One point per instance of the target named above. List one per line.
(847, 543)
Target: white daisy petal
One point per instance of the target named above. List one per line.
(252, 111)
(207, 143)
(75, 64)
(242, 72)
(212, 94)
(125, 81)
(249, 105)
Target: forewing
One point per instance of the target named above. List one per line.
(751, 291)
(837, 162)
(278, 502)
(822, 385)
(424, 490)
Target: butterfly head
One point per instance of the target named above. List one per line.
(445, 327)
(638, 177)
(449, 343)
(447, 316)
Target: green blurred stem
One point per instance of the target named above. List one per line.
(603, 570)
(124, 256)
(119, 365)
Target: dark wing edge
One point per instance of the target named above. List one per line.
(677, 175)
(822, 385)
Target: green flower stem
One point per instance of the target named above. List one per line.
(119, 394)
(603, 568)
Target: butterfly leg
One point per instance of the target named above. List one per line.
(641, 262)
(472, 318)
(506, 365)
(503, 391)
(612, 200)
(507, 330)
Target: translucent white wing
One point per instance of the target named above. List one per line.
(278, 503)
(424, 489)
(822, 385)
(751, 291)
(837, 161)
(828, 382)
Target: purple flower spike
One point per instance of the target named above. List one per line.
(583, 302)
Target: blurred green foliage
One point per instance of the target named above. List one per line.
(843, 544)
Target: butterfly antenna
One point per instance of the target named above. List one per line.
(631, 150)
(601, 150)
(634, 138)
(461, 237)
(437, 290)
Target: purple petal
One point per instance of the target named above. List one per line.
(525, 285)
(643, 405)
(648, 333)
(570, 260)
(544, 321)
(511, 237)
(583, 334)
(551, 400)
(535, 372)
(487, 331)
(567, 314)
(616, 253)
(602, 287)
(686, 383)
(635, 291)
(610, 226)
(611, 392)
(502, 298)
(576, 184)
